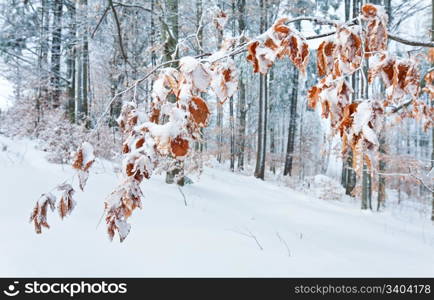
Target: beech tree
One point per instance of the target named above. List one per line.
(160, 138)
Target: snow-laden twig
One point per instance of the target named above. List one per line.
(411, 175)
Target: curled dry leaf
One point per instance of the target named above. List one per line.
(224, 81)
(429, 86)
(376, 28)
(195, 72)
(39, 212)
(400, 77)
(326, 57)
(120, 205)
(84, 159)
(165, 85)
(430, 55)
(277, 42)
(349, 50)
(66, 203)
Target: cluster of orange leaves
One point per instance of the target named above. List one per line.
(83, 160)
(165, 133)
(357, 122)
(277, 42)
(48, 200)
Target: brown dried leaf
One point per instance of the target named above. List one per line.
(179, 147)
(199, 111)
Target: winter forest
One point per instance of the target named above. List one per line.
(217, 138)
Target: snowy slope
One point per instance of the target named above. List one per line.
(300, 236)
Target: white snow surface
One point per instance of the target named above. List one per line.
(6, 91)
(212, 236)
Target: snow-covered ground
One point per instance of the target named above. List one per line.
(6, 91)
(213, 236)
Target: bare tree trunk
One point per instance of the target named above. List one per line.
(219, 111)
(82, 65)
(432, 104)
(43, 59)
(170, 36)
(259, 153)
(241, 5)
(231, 112)
(287, 171)
(272, 151)
(70, 60)
(381, 196)
(56, 40)
(242, 125)
(232, 133)
(260, 128)
(382, 167)
(85, 70)
(79, 66)
(366, 175)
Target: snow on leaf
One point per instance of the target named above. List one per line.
(84, 159)
(376, 28)
(400, 77)
(369, 134)
(362, 116)
(39, 212)
(66, 203)
(224, 81)
(164, 85)
(349, 49)
(179, 147)
(119, 207)
(199, 111)
(325, 57)
(196, 73)
(277, 42)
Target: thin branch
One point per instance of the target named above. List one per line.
(33, 65)
(183, 196)
(410, 42)
(118, 26)
(133, 6)
(401, 106)
(250, 235)
(100, 21)
(411, 175)
(284, 242)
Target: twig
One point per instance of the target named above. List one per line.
(118, 26)
(182, 193)
(410, 42)
(411, 175)
(100, 21)
(100, 219)
(250, 235)
(283, 242)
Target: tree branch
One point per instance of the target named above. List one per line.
(410, 42)
(118, 26)
(100, 21)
